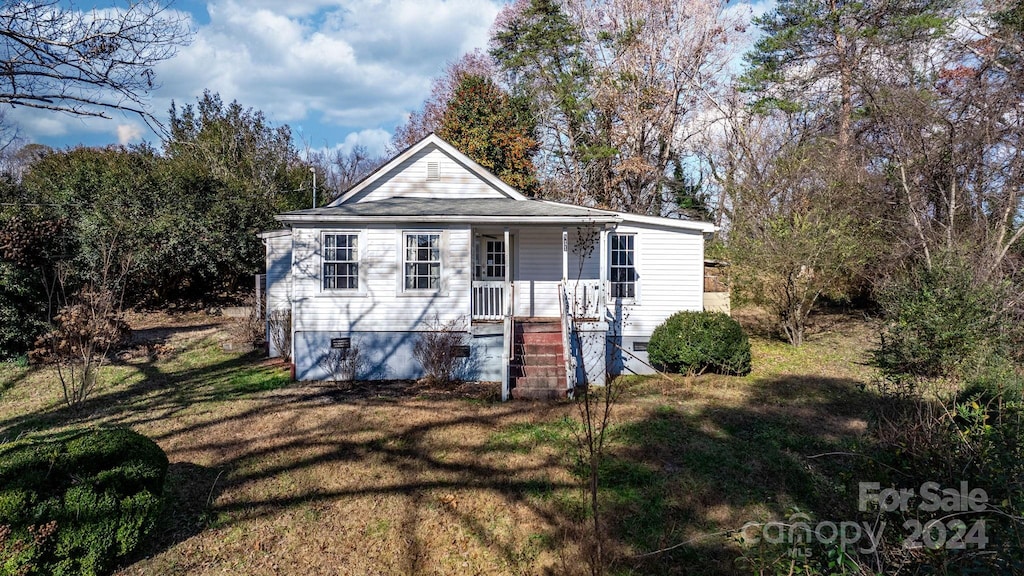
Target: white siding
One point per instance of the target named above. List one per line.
(279, 281)
(409, 180)
(279, 263)
(382, 305)
(670, 266)
(538, 266)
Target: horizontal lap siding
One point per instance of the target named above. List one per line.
(279, 262)
(409, 180)
(382, 307)
(539, 266)
(671, 270)
(538, 271)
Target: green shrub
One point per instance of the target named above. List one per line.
(694, 342)
(77, 502)
(941, 322)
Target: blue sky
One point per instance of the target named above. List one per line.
(339, 72)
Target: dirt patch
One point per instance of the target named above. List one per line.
(176, 329)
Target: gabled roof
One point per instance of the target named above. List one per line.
(511, 207)
(430, 140)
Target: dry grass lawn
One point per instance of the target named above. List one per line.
(269, 476)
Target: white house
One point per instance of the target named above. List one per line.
(432, 238)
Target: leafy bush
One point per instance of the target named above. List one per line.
(693, 342)
(940, 322)
(77, 502)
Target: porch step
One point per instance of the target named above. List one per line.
(538, 365)
(552, 349)
(539, 394)
(529, 325)
(546, 370)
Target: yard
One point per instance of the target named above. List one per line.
(273, 477)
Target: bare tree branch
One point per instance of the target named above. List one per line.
(54, 56)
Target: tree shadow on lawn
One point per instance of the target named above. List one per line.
(678, 481)
(672, 475)
(157, 395)
(417, 468)
(219, 492)
(189, 491)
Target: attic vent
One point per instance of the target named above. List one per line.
(433, 172)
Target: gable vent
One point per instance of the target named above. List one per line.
(433, 172)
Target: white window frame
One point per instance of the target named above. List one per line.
(358, 262)
(612, 266)
(404, 255)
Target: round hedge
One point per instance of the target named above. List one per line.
(77, 502)
(695, 342)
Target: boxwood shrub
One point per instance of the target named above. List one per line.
(77, 502)
(695, 342)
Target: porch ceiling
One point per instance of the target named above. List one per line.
(472, 210)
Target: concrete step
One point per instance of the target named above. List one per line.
(537, 327)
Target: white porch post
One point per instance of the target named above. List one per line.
(508, 304)
(565, 255)
(602, 250)
(508, 332)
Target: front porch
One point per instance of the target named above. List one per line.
(546, 287)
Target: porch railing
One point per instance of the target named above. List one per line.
(488, 299)
(586, 298)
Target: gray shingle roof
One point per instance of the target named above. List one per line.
(435, 209)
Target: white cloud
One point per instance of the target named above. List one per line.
(330, 68)
(129, 133)
(33, 122)
(354, 64)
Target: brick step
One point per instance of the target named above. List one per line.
(548, 338)
(519, 371)
(539, 360)
(553, 382)
(538, 394)
(537, 349)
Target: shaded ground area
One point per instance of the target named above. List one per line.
(269, 476)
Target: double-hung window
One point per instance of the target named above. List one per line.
(422, 266)
(341, 261)
(623, 265)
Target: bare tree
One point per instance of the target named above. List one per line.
(619, 87)
(88, 324)
(794, 228)
(953, 152)
(342, 170)
(57, 57)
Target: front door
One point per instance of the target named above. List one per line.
(491, 262)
